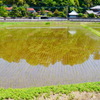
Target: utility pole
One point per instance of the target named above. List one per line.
(67, 9)
(67, 12)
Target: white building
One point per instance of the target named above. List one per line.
(94, 10)
(73, 14)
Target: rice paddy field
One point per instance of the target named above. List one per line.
(49, 61)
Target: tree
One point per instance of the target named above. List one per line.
(56, 13)
(1, 3)
(91, 15)
(62, 14)
(50, 14)
(42, 11)
(15, 12)
(3, 12)
(23, 11)
(32, 15)
(80, 15)
(53, 3)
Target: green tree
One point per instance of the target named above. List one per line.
(3, 12)
(23, 11)
(62, 14)
(1, 3)
(91, 15)
(42, 11)
(56, 13)
(53, 3)
(15, 12)
(50, 14)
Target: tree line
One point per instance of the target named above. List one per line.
(40, 3)
(57, 8)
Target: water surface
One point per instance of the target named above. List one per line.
(41, 57)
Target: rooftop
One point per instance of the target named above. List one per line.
(96, 7)
(73, 13)
(8, 8)
(45, 11)
(30, 9)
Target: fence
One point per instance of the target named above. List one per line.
(53, 19)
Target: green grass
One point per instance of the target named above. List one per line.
(48, 24)
(35, 92)
(38, 24)
(91, 29)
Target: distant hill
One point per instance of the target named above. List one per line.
(53, 3)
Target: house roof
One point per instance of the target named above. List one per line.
(98, 13)
(73, 13)
(89, 11)
(92, 12)
(96, 7)
(8, 8)
(45, 11)
(30, 9)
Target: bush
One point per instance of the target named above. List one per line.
(80, 15)
(85, 15)
(50, 14)
(3, 12)
(47, 23)
(56, 13)
(91, 15)
(61, 14)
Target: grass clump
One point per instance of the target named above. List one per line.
(35, 92)
(47, 23)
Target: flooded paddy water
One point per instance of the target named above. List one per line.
(48, 56)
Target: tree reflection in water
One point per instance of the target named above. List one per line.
(48, 46)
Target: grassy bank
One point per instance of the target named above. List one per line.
(48, 24)
(39, 24)
(91, 29)
(36, 92)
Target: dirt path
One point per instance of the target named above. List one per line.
(72, 96)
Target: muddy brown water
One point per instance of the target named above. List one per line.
(43, 57)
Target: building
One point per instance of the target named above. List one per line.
(9, 8)
(73, 14)
(32, 10)
(45, 11)
(94, 10)
(28, 9)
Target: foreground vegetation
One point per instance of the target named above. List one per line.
(36, 92)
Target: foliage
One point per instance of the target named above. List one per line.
(91, 15)
(35, 92)
(61, 14)
(79, 6)
(50, 14)
(42, 12)
(56, 13)
(19, 11)
(85, 3)
(15, 12)
(3, 12)
(80, 15)
(85, 15)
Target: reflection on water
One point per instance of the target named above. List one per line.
(25, 54)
